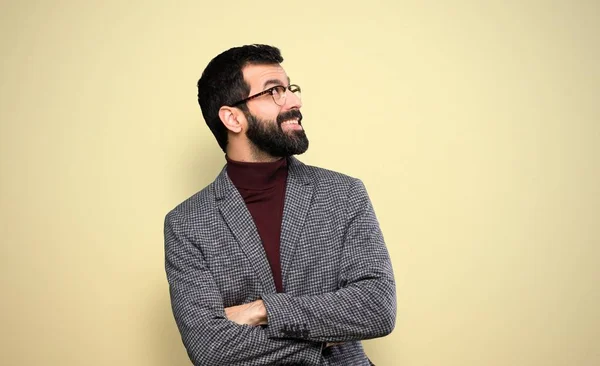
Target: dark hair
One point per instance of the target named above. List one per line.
(222, 82)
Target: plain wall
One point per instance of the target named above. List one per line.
(473, 124)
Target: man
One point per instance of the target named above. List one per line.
(275, 262)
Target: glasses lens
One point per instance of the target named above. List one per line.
(279, 95)
(296, 90)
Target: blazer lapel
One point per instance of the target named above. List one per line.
(240, 222)
(298, 197)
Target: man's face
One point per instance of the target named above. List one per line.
(273, 129)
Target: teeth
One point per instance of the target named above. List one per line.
(290, 122)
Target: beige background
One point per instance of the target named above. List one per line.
(474, 125)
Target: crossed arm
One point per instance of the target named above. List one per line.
(297, 326)
(254, 313)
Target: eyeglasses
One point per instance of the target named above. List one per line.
(278, 93)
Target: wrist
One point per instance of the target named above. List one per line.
(261, 313)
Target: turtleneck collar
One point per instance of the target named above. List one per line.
(256, 176)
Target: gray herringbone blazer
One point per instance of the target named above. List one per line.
(336, 272)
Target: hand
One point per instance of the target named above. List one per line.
(253, 313)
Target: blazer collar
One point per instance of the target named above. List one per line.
(298, 199)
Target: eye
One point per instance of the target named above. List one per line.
(278, 90)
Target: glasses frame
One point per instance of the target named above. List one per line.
(270, 91)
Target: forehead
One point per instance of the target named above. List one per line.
(261, 76)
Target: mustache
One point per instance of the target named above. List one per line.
(291, 114)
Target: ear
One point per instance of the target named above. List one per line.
(231, 118)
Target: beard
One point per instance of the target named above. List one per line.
(268, 136)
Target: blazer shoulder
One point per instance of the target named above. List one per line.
(333, 183)
(200, 202)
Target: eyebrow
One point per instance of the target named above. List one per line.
(274, 82)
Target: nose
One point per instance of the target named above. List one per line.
(292, 101)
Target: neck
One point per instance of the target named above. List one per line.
(249, 154)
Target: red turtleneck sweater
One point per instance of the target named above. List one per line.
(262, 185)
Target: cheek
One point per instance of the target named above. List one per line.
(266, 111)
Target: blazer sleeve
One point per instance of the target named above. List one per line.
(208, 336)
(363, 307)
